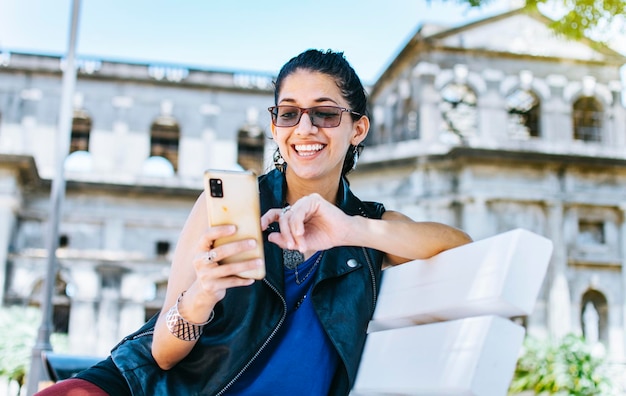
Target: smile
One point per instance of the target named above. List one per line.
(308, 149)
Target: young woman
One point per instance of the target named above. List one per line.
(302, 328)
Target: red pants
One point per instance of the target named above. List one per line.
(72, 387)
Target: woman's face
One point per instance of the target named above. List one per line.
(313, 152)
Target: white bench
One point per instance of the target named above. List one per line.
(441, 326)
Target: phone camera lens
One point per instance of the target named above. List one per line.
(215, 186)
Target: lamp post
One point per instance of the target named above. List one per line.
(37, 371)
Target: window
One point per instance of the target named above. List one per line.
(251, 148)
(591, 233)
(407, 114)
(164, 139)
(251, 143)
(64, 241)
(162, 248)
(81, 128)
(588, 114)
(407, 121)
(458, 109)
(523, 109)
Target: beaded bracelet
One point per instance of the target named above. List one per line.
(180, 327)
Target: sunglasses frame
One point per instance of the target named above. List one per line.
(274, 114)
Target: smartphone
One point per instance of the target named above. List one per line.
(232, 197)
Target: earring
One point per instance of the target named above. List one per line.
(355, 154)
(279, 162)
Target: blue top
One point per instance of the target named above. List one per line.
(300, 359)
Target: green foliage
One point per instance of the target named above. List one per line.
(18, 332)
(585, 17)
(596, 19)
(571, 367)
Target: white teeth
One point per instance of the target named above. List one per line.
(308, 147)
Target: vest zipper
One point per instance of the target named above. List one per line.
(142, 334)
(271, 336)
(371, 269)
(369, 265)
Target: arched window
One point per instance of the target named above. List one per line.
(594, 317)
(458, 110)
(81, 129)
(405, 116)
(251, 143)
(164, 139)
(251, 148)
(410, 120)
(523, 107)
(587, 119)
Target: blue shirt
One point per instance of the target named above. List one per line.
(300, 359)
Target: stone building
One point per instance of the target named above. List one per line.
(141, 138)
(490, 126)
(500, 124)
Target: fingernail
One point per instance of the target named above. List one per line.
(251, 242)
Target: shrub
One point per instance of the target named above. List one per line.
(569, 367)
(18, 333)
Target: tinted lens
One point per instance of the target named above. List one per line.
(286, 116)
(325, 116)
(321, 116)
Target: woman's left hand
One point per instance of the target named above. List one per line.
(310, 224)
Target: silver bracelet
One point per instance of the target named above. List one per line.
(180, 327)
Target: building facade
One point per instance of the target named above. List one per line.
(501, 124)
(489, 126)
(141, 137)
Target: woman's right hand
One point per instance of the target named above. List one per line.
(212, 279)
(196, 272)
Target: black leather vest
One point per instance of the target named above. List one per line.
(344, 297)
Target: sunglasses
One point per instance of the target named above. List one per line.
(321, 116)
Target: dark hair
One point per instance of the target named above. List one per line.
(335, 65)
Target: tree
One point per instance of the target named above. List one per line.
(599, 20)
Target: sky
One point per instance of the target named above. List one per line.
(230, 35)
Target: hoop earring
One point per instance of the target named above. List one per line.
(279, 161)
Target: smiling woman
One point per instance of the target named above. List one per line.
(220, 333)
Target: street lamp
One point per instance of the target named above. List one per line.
(37, 371)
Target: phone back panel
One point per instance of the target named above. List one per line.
(238, 205)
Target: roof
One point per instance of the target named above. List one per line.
(523, 32)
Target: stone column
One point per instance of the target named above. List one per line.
(475, 218)
(492, 114)
(622, 244)
(556, 121)
(8, 206)
(83, 326)
(428, 97)
(109, 308)
(559, 308)
(135, 289)
(10, 200)
(619, 117)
